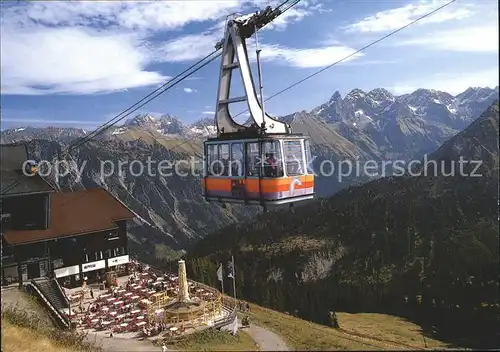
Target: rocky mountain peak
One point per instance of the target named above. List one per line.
(143, 120)
(381, 94)
(477, 94)
(428, 96)
(204, 122)
(336, 97)
(203, 127)
(355, 94)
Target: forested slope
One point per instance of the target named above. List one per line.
(422, 247)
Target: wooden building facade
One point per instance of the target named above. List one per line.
(67, 235)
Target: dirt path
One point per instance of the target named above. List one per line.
(267, 340)
(117, 344)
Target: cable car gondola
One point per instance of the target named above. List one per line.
(264, 164)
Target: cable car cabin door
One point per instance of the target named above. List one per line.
(237, 170)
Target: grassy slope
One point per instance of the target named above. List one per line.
(215, 341)
(360, 331)
(20, 339)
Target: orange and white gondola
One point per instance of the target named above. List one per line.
(265, 164)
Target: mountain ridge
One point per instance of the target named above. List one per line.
(472, 93)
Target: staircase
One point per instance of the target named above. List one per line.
(51, 295)
(53, 292)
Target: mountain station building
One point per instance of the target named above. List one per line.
(66, 235)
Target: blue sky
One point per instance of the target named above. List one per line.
(79, 63)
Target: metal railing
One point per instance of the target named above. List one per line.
(63, 293)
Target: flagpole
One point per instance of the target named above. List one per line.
(222, 276)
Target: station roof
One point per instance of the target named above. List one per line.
(13, 181)
(74, 214)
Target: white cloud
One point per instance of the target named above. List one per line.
(451, 83)
(398, 17)
(208, 112)
(187, 48)
(190, 90)
(98, 47)
(196, 46)
(137, 15)
(307, 58)
(71, 60)
(469, 39)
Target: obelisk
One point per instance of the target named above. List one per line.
(183, 295)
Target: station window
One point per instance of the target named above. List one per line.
(272, 160)
(252, 159)
(294, 161)
(237, 159)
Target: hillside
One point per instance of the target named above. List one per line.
(421, 247)
(172, 211)
(478, 142)
(357, 332)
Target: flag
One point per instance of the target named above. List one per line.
(230, 269)
(219, 272)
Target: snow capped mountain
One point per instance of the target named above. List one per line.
(359, 108)
(204, 127)
(168, 125)
(476, 94)
(387, 126)
(143, 120)
(61, 134)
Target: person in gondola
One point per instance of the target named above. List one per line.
(271, 165)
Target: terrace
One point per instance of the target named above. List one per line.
(137, 306)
